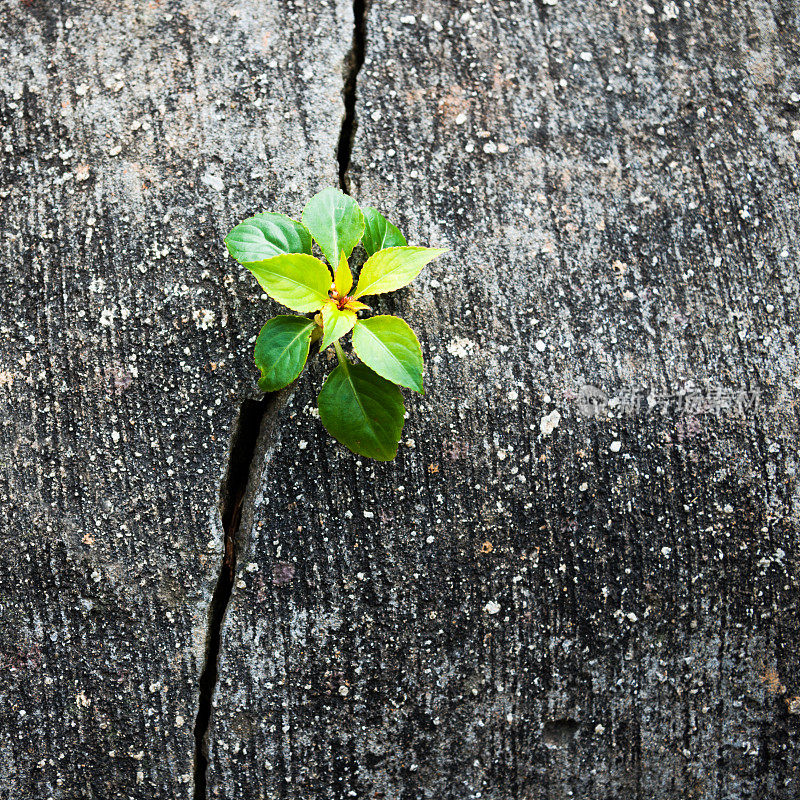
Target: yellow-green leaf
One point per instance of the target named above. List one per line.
(296, 280)
(343, 280)
(336, 323)
(393, 268)
(357, 305)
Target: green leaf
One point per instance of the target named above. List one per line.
(335, 221)
(379, 233)
(362, 411)
(336, 323)
(296, 280)
(265, 236)
(281, 350)
(393, 268)
(389, 346)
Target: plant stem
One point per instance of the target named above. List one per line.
(340, 353)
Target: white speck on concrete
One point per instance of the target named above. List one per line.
(461, 347)
(203, 318)
(550, 422)
(214, 181)
(671, 10)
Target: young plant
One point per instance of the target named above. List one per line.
(360, 404)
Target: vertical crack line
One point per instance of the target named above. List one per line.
(252, 427)
(353, 64)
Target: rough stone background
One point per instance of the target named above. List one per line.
(134, 135)
(604, 609)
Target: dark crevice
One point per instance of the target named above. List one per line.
(559, 732)
(252, 427)
(353, 64)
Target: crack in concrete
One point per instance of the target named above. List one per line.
(251, 434)
(236, 494)
(353, 64)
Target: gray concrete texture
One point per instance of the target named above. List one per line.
(529, 602)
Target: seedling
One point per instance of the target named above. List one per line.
(360, 404)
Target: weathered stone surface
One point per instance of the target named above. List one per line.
(133, 135)
(519, 608)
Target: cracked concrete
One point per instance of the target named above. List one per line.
(133, 138)
(526, 603)
(252, 426)
(250, 441)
